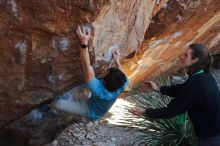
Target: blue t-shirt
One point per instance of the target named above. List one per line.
(101, 99)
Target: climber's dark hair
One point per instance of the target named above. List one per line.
(114, 80)
(205, 60)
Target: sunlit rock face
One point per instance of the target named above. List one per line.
(178, 24)
(39, 54)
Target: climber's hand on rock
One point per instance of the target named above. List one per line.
(137, 111)
(83, 34)
(153, 85)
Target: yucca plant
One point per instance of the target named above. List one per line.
(162, 132)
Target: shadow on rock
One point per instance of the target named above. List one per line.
(39, 127)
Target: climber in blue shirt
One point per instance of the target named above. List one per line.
(103, 92)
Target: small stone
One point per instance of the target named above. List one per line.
(81, 124)
(81, 137)
(74, 134)
(77, 129)
(90, 124)
(104, 122)
(91, 137)
(113, 139)
(108, 141)
(96, 123)
(85, 142)
(96, 132)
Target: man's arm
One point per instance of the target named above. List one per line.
(180, 104)
(87, 68)
(84, 36)
(171, 91)
(175, 107)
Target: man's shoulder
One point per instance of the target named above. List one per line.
(95, 86)
(95, 82)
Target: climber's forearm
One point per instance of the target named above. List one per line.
(87, 68)
(85, 59)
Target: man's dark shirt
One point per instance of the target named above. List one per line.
(200, 97)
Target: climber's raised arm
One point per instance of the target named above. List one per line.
(84, 36)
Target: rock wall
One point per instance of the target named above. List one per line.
(178, 24)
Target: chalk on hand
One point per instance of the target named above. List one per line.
(109, 55)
